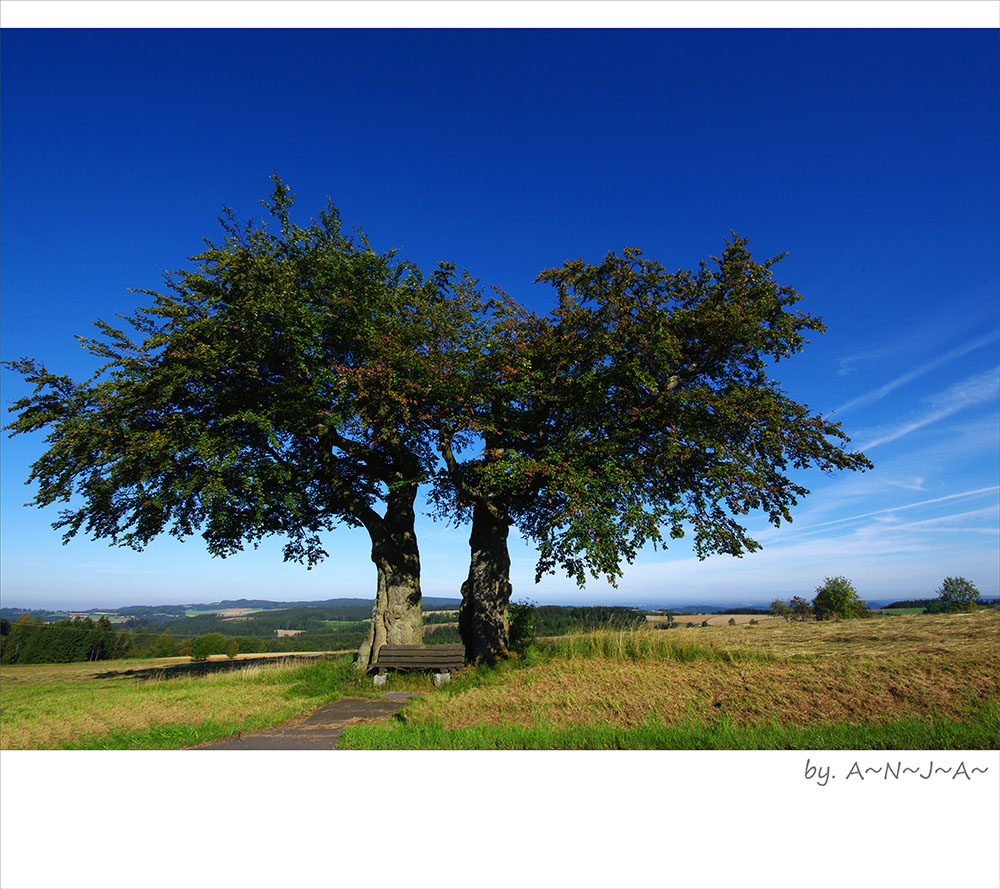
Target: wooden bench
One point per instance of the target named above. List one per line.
(442, 659)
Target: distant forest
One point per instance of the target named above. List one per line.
(338, 624)
(166, 631)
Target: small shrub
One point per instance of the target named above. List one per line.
(522, 625)
(800, 608)
(232, 648)
(780, 609)
(704, 623)
(753, 621)
(732, 621)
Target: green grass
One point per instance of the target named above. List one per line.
(170, 737)
(891, 611)
(67, 709)
(981, 731)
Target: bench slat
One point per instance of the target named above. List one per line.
(418, 661)
(420, 657)
(450, 647)
(419, 651)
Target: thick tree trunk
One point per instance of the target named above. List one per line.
(482, 618)
(397, 618)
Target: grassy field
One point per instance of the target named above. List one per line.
(917, 682)
(88, 706)
(900, 682)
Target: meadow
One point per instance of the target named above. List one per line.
(899, 682)
(98, 705)
(906, 682)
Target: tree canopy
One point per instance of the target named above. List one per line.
(276, 388)
(955, 594)
(836, 598)
(640, 409)
(294, 379)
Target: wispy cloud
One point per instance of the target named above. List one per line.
(955, 522)
(883, 390)
(848, 362)
(969, 392)
(916, 485)
(892, 509)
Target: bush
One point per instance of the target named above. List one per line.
(800, 608)
(704, 623)
(232, 648)
(732, 621)
(955, 594)
(522, 625)
(837, 599)
(780, 609)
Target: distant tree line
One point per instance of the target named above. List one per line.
(438, 617)
(262, 624)
(32, 641)
(555, 620)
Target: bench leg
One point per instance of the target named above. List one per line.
(441, 678)
(380, 679)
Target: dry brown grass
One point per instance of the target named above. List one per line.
(717, 620)
(860, 671)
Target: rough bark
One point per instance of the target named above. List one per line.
(397, 618)
(482, 619)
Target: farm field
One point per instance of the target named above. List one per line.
(921, 682)
(717, 620)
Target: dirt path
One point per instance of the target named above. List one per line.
(318, 730)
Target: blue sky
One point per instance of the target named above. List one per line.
(869, 155)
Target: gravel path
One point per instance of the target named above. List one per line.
(318, 730)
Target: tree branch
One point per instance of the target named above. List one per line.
(344, 494)
(462, 485)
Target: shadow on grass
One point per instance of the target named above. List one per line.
(203, 668)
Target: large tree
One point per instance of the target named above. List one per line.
(279, 387)
(639, 408)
